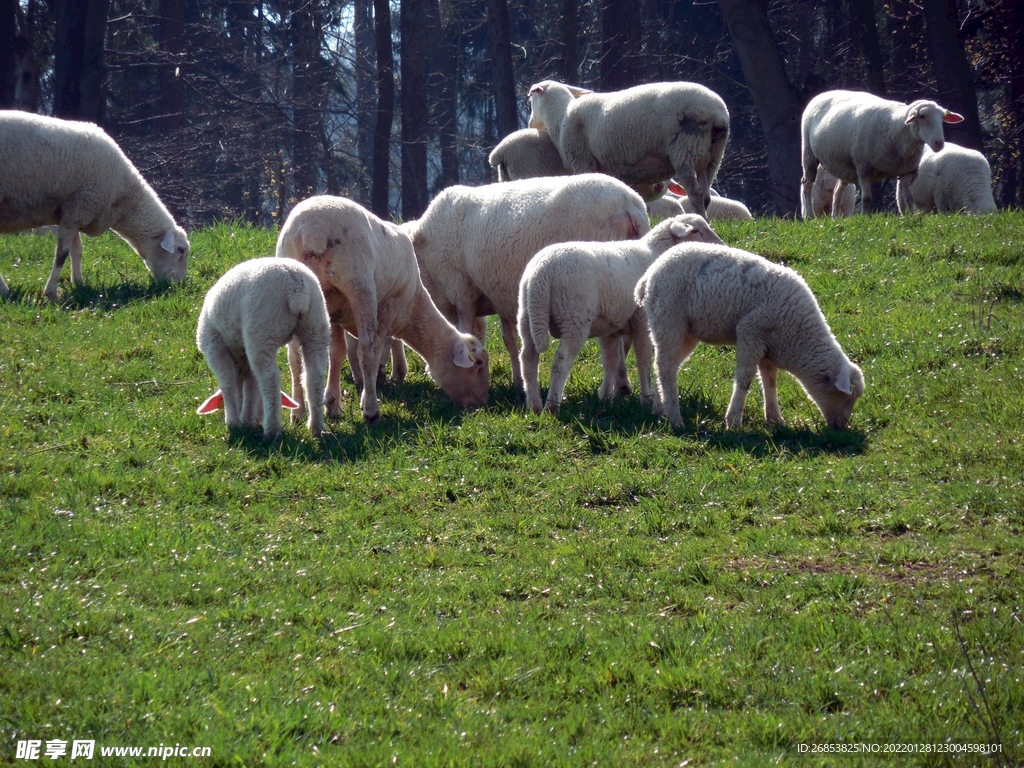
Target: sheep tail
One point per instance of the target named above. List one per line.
(298, 297)
(640, 292)
(535, 301)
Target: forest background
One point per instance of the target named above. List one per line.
(238, 109)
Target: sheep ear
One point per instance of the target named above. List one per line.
(213, 403)
(461, 355)
(843, 382)
(952, 117)
(577, 92)
(288, 402)
(539, 88)
(912, 115)
(680, 229)
(676, 188)
(168, 242)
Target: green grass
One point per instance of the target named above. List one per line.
(498, 588)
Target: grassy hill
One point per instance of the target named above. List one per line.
(500, 588)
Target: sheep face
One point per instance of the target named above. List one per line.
(466, 379)
(548, 102)
(926, 119)
(836, 395)
(166, 255)
(685, 228)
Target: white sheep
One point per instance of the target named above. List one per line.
(576, 291)
(862, 138)
(255, 309)
(719, 209)
(530, 153)
(473, 243)
(723, 295)
(832, 197)
(644, 134)
(957, 179)
(73, 175)
(369, 276)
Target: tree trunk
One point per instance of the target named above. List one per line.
(500, 32)
(778, 107)
(385, 108)
(79, 70)
(365, 62)
(8, 64)
(307, 109)
(1012, 13)
(952, 71)
(570, 60)
(442, 55)
(862, 18)
(171, 88)
(621, 45)
(414, 119)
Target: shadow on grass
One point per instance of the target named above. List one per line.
(104, 298)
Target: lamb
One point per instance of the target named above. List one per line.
(367, 270)
(824, 201)
(473, 243)
(720, 208)
(956, 179)
(576, 291)
(644, 134)
(726, 296)
(73, 175)
(257, 307)
(859, 137)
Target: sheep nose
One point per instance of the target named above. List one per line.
(938, 145)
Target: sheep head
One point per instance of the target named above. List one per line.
(836, 395)
(684, 228)
(548, 102)
(165, 254)
(926, 119)
(465, 377)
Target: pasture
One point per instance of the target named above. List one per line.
(502, 589)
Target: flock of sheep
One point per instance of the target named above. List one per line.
(560, 247)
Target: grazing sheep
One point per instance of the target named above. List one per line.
(473, 243)
(368, 273)
(954, 180)
(576, 291)
(73, 175)
(859, 137)
(832, 197)
(720, 207)
(642, 135)
(723, 295)
(255, 309)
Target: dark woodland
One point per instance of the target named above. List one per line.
(237, 109)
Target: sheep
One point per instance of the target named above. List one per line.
(859, 137)
(956, 179)
(720, 207)
(530, 153)
(257, 307)
(368, 272)
(642, 135)
(473, 243)
(576, 291)
(723, 295)
(823, 196)
(73, 175)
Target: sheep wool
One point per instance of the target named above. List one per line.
(576, 291)
(722, 295)
(955, 180)
(255, 309)
(644, 134)
(859, 137)
(527, 154)
(72, 175)
(832, 197)
(473, 243)
(368, 273)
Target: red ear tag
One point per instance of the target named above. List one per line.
(213, 403)
(288, 403)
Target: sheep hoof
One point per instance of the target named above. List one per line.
(551, 407)
(370, 418)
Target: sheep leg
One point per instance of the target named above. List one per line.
(622, 384)
(810, 169)
(295, 368)
(76, 259)
(511, 338)
(268, 383)
(865, 192)
(693, 191)
(748, 356)
(332, 398)
(226, 371)
(613, 364)
(352, 345)
(837, 198)
(770, 387)
(399, 363)
(668, 358)
(252, 401)
(529, 362)
(643, 351)
(568, 349)
(65, 242)
(313, 359)
(370, 348)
